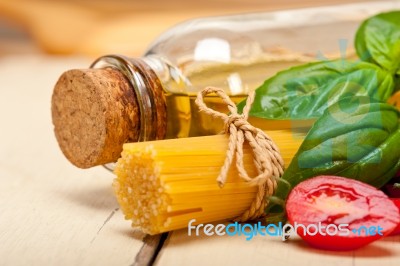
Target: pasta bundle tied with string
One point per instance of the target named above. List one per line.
(162, 185)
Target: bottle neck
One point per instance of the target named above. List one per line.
(148, 91)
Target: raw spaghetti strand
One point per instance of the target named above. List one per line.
(267, 158)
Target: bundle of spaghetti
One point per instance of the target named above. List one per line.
(162, 185)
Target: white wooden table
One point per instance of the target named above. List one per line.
(52, 213)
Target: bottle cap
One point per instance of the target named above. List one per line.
(94, 112)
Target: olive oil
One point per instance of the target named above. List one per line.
(237, 80)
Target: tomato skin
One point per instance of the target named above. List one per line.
(396, 231)
(332, 200)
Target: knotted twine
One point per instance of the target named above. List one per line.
(267, 158)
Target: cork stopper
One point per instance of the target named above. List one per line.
(94, 112)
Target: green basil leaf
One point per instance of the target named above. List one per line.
(360, 44)
(378, 40)
(355, 138)
(305, 91)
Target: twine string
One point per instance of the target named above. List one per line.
(266, 155)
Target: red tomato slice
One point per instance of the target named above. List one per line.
(349, 214)
(396, 231)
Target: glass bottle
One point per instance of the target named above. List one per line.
(236, 53)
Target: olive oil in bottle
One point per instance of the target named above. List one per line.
(95, 112)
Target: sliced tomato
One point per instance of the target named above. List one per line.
(396, 231)
(337, 213)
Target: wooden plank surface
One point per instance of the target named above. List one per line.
(181, 249)
(52, 213)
